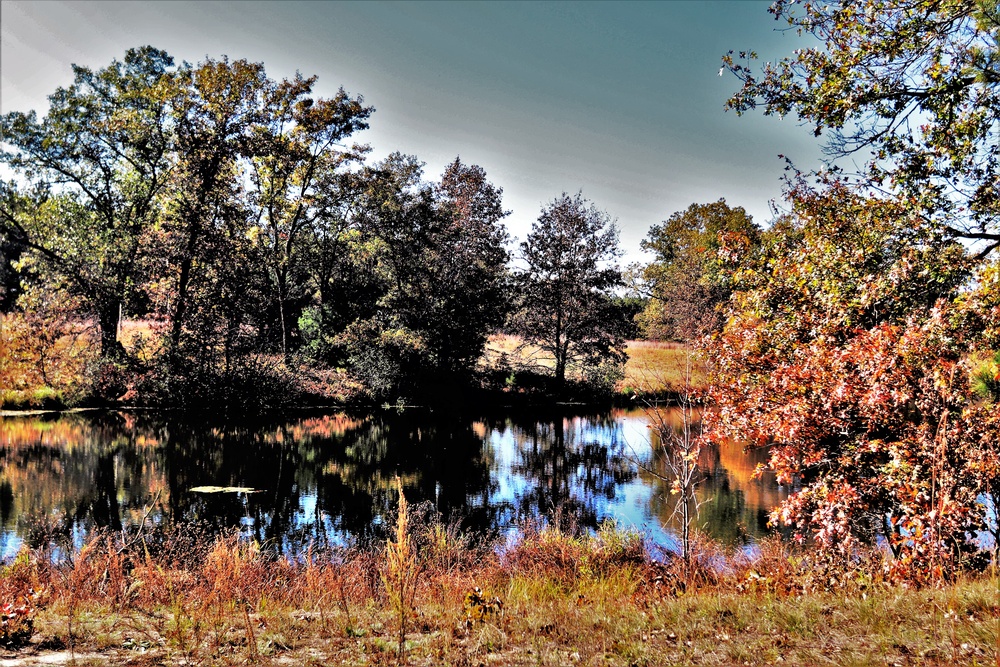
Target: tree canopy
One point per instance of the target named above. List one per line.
(912, 86)
(229, 209)
(688, 279)
(93, 170)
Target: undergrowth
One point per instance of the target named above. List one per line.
(434, 595)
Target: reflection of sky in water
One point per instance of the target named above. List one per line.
(324, 480)
(630, 504)
(328, 478)
(10, 544)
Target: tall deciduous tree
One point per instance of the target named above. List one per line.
(689, 279)
(215, 108)
(915, 82)
(565, 291)
(468, 266)
(441, 260)
(94, 167)
(295, 143)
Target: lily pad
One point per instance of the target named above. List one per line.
(224, 489)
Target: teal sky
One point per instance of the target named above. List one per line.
(620, 100)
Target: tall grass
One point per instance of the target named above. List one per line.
(553, 596)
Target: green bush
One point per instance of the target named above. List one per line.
(986, 378)
(389, 362)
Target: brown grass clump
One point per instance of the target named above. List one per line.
(554, 597)
(549, 552)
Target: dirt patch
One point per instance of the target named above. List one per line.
(51, 658)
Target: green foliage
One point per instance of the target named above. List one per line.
(915, 82)
(604, 377)
(317, 342)
(225, 207)
(10, 279)
(986, 378)
(387, 361)
(696, 252)
(92, 170)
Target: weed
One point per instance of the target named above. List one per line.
(568, 598)
(401, 571)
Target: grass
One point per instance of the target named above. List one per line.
(655, 367)
(652, 367)
(566, 600)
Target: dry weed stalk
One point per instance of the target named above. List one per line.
(679, 448)
(401, 571)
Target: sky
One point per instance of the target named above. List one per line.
(622, 101)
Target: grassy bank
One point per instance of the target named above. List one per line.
(66, 372)
(652, 367)
(563, 600)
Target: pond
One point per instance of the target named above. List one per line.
(327, 478)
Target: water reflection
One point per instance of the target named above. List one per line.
(331, 476)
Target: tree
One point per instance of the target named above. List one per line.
(914, 82)
(688, 280)
(846, 352)
(565, 291)
(468, 266)
(440, 259)
(90, 175)
(215, 107)
(295, 149)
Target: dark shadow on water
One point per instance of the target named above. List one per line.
(326, 478)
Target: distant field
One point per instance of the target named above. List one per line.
(652, 366)
(655, 366)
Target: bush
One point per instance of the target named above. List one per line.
(602, 379)
(389, 362)
(986, 378)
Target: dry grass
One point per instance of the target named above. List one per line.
(655, 366)
(567, 600)
(652, 366)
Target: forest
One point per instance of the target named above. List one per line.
(269, 260)
(203, 235)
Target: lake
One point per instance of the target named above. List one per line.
(322, 478)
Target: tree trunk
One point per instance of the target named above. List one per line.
(560, 354)
(180, 306)
(107, 320)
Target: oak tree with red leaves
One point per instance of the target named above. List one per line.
(847, 352)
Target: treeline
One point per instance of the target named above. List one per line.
(233, 211)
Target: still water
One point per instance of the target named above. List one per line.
(328, 478)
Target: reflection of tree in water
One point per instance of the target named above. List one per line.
(71, 472)
(313, 475)
(570, 465)
(439, 459)
(733, 505)
(330, 474)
